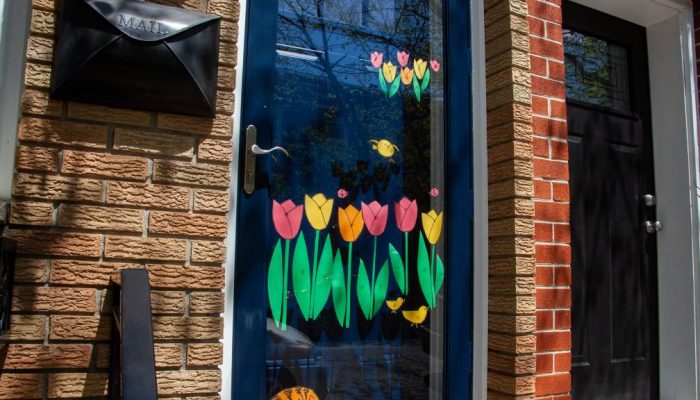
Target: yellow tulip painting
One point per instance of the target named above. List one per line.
(420, 66)
(432, 226)
(312, 288)
(318, 210)
(389, 71)
(431, 271)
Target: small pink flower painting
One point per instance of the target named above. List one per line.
(434, 192)
(342, 193)
(435, 65)
(376, 58)
(403, 58)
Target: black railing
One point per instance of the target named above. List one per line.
(132, 361)
(7, 267)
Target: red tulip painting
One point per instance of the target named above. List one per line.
(406, 212)
(286, 218)
(371, 291)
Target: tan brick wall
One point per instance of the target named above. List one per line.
(97, 190)
(511, 342)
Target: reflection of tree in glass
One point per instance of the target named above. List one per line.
(595, 71)
(327, 94)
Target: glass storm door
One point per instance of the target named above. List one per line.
(354, 223)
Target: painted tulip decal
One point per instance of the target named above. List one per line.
(406, 76)
(422, 73)
(371, 291)
(420, 66)
(432, 226)
(375, 216)
(403, 58)
(431, 271)
(286, 218)
(312, 289)
(435, 65)
(318, 210)
(376, 58)
(406, 212)
(387, 76)
(389, 71)
(350, 224)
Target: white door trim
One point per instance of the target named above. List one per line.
(14, 29)
(673, 87)
(480, 295)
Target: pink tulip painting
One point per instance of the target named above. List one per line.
(287, 218)
(435, 65)
(376, 58)
(403, 58)
(406, 212)
(375, 216)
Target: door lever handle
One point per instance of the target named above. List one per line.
(260, 151)
(251, 151)
(653, 227)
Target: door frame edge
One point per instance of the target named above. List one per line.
(480, 176)
(480, 196)
(229, 266)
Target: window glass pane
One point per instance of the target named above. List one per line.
(359, 105)
(597, 71)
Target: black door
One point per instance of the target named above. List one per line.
(614, 313)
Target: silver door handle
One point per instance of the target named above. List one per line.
(260, 151)
(653, 226)
(251, 151)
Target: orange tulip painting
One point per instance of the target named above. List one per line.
(351, 224)
(286, 218)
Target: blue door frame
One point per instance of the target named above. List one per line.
(250, 303)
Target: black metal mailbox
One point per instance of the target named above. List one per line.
(136, 55)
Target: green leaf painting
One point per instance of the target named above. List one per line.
(382, 83)
(416, 88)
(397, 268)
(364, 291)
(301, 276)
(426, 80)
(424, 271)
(395, 86)
(322, 287)
(381, 286)
(439, 274)
(338, 288)
(275, 279)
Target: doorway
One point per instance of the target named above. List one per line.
(354, 247)
(613, 214)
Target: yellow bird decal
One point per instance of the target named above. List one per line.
(416, 317)
(394, 305)
(384, 147)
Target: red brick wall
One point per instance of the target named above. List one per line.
(551, 175)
